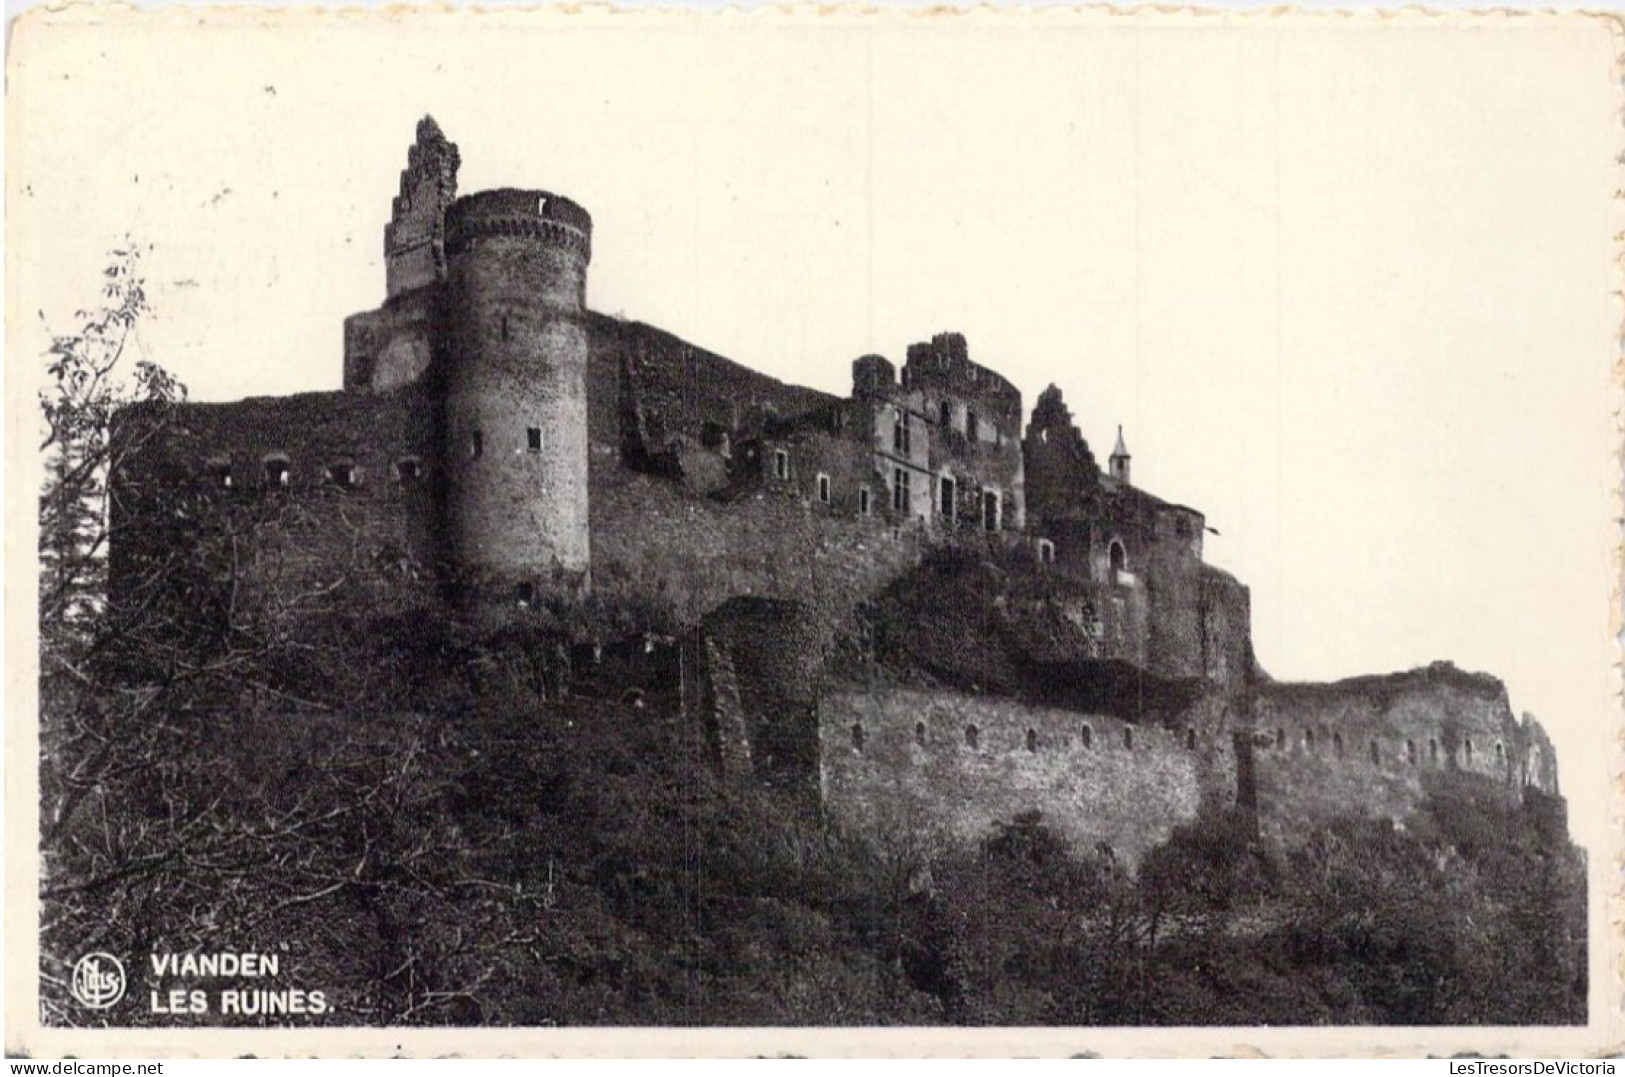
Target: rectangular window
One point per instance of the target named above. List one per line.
(990, 510)
(476, 444)
(526, 593)
(823, 488)
(863, 501)
(781, 464)
(947, 504)
(899, 490)
(972, 426)
(533, 438)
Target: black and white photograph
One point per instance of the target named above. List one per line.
(806, 532)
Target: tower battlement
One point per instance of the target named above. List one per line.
(541, 215)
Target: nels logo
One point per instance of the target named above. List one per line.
(98, 980)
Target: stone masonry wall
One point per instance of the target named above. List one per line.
(900, 761)
(1374, 744)
(653, 541)
(298, 543)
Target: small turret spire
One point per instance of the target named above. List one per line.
(1120, 458)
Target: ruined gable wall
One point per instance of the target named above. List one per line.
(877, 775)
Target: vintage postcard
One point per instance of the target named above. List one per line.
(814, 532)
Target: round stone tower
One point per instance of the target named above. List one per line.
(515, 396)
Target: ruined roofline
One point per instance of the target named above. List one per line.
(1485, 685)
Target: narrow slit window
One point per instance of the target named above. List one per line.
(1128, 738)
(864, 507)
(1433, 752)
(476, 444)
(1410, 752)
(1337, 745)
(1376, 754)
(781, 464)
(857, 736)
(525, 593)
(973, 737)
(920, 734)
(1086, 736)
(1032, 740)
(1190, 740)
(823, 488)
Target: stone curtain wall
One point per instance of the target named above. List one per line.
(651, 541)
(297, 543)
(1314, 743)
(877, 776)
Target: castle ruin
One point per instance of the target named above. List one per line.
(498, 447)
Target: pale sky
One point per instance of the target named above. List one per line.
(1344, 281)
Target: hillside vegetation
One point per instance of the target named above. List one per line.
(427, 840)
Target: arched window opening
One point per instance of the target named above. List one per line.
(342, 473)
(919, 734)
(408, 470)
(1087, 736)
(1032, 740)
(277, 471)
(1046, 552)
(857, 736)
(220, 473)
(1117, 556)
(973, 737)
(526, 593)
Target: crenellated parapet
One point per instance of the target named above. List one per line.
(537, 215)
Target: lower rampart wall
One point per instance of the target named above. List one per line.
(1375, 744)
(903, 762)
